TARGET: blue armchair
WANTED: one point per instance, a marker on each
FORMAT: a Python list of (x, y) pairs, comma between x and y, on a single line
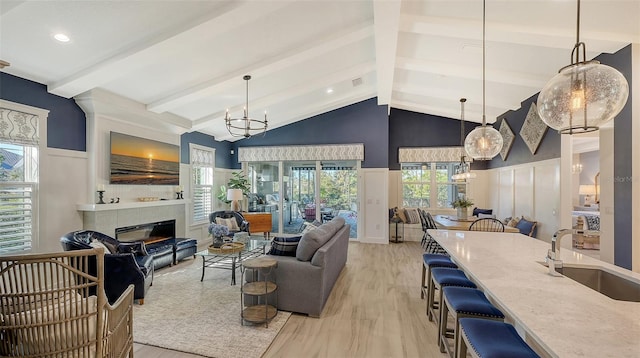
[(125, 263), (243, 225)]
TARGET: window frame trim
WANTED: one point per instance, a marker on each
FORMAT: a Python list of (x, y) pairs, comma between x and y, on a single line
[(192, 185)]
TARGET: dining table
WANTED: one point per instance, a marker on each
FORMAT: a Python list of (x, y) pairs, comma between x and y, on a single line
[(447, 222)]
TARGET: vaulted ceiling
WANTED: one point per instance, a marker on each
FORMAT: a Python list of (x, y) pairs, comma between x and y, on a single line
[(187, 58)]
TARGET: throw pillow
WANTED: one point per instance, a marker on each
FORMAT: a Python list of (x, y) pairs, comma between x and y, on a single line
[(284, 246), (482, 216), (477, 211), (413, 217), (98, 244), (313, 240), (308, 227), (527, 227), (593, 222), (514, 221), (401, 215), (231, 223)]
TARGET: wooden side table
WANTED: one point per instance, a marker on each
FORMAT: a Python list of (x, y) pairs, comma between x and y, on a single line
[(259, 310), (259, 222)]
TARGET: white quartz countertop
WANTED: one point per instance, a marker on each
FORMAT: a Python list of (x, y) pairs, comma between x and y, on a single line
[(563, 318)]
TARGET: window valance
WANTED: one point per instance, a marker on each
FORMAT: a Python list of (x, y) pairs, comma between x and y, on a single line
[(429, 154), (302, 152), (17, 126), (202, 156)]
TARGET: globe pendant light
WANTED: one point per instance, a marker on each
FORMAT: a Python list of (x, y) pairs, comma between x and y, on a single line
[(583, 95), (245, 126), (483, 143), (463, 169)]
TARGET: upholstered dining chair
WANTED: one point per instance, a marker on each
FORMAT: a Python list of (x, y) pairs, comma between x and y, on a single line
[(54, 305), (487, 224)]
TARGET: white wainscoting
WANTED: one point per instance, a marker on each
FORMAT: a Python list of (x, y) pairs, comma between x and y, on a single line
[(532, 190)]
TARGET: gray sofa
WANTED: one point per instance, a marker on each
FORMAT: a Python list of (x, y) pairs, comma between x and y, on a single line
[(306, 280)]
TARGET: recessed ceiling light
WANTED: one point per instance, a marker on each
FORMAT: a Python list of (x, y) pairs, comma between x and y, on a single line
[(329, 90), (61, 37)]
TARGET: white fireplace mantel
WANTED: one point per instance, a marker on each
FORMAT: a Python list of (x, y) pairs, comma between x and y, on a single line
[(129, 205)]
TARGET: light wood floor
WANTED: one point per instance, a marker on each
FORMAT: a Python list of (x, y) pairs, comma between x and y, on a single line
[(374, 310)]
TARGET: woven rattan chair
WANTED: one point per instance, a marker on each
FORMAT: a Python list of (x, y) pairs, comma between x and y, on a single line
[(48, 307), (487, 224)]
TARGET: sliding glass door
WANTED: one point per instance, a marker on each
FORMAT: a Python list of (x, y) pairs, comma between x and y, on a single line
[(296, 192)]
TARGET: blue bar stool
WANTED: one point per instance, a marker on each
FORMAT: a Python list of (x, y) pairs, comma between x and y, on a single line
[(462, 302), (491, 339), (429, 261), (443, 277)]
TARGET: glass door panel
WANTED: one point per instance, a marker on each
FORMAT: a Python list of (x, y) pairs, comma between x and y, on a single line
[(339, 192), (265, 189), (300, 179)]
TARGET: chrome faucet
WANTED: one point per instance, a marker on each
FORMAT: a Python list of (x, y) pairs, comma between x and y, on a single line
[(553, 255)]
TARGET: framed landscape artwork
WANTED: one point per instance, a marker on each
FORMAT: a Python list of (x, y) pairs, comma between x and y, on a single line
[(142, 161), (507, 138), (533, 129)]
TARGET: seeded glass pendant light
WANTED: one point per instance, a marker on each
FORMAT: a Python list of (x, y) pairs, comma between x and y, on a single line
[(463, 169), (483, 143), (583, 95)]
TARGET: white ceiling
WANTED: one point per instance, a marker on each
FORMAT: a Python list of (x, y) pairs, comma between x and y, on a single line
[(187, 58)]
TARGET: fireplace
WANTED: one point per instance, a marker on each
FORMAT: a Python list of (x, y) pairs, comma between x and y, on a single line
[(150, 232)]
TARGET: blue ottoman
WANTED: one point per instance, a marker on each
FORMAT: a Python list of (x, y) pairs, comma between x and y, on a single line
[(492, 339), (185, 248)]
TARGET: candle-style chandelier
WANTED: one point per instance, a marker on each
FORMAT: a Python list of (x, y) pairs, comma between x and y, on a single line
[(245, 126)]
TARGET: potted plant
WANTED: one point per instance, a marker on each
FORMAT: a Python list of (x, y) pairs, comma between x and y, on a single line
[(462, 205), (237, 181)]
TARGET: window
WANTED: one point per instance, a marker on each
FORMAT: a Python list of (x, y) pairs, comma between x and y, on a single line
[(420, 179), (202, 165), (19, 143)]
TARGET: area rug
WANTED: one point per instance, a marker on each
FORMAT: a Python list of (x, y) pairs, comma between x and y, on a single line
[(184, 314)]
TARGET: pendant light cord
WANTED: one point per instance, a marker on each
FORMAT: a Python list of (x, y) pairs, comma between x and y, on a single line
[(484, 31)]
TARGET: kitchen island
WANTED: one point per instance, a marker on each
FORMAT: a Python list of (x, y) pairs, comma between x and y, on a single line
[(557, 316)]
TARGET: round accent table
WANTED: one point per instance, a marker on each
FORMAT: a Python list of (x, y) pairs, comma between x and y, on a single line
[(259, 292)]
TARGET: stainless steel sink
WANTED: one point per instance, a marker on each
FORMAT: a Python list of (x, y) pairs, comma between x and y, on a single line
[(614, 286)]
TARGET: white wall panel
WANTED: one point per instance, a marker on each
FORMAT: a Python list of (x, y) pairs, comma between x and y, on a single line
[(505, 205), (547, 182), (523, 192), (376, 204)]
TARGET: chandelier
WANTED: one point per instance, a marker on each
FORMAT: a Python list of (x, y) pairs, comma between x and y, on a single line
[(463, 169), (483, 143), (583, 95), (245, 126)]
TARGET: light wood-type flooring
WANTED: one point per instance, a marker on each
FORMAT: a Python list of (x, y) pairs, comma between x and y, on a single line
[(374, 310)]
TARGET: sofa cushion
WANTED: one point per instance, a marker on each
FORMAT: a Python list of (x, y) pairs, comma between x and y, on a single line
[(477, 211), (527, 227), (313, 240), (401, 214), (413, 216), (231, 223), (284, 246)]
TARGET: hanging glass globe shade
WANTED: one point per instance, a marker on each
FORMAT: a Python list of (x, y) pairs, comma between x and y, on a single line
[(582, 97), (483, 143)]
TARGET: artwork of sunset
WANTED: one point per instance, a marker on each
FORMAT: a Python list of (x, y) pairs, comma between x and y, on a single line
[(136, 160)]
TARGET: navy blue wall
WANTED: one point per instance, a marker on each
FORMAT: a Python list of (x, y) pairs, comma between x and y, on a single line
[(549, 147), (364, 122), (411, 129), (623, 165), (66, 125), (223, 159)]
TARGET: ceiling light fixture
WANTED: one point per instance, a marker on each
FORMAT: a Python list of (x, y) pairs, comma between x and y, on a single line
[(61, 37), (583, 95), (463, 169), (329, 90), (483, 143), (4, 64), (245, 126)]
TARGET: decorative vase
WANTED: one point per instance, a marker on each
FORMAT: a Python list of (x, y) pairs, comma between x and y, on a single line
[(217, 241), (463, 213)]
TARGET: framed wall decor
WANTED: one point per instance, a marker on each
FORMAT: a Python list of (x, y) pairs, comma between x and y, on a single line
[(507, 138), (533, 129)]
